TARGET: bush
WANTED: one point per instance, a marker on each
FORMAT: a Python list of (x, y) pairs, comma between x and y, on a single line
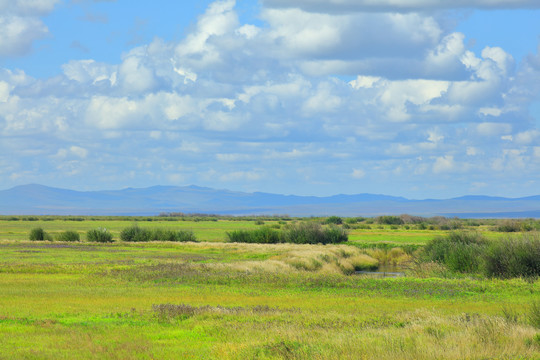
[(334, 220), (135, 234), (264, 235), (302, 233), (458, 251), (390, 220), (171, 235), (509, 226), (313, 233), (38, 234), (334, 235), (101, 235), (69, 236), (514, 257)]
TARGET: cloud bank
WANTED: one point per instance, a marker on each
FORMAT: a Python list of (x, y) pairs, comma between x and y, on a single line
[(314, 101)]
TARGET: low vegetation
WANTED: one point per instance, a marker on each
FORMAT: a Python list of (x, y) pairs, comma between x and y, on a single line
[(68, 236), (100, 235), (468, 252), (38, 234), (301, 233), (170, 300), (269, 288), (136, 234)]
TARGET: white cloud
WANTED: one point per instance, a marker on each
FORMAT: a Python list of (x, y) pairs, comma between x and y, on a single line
[(90, 71), (233, 94), (134, 75), (444, 164), (233, 157), (325, 37), (322, 100), (358, 174), (528, 137), (490, 111), (5, 89), (241, 175), (337, 6), (364, 82), (20, 24), (493, 129), (218, 20), (17, 34), (27, 7), (79, 151)]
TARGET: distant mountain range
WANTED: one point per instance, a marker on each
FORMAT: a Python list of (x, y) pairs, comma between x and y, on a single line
[(43, 200)]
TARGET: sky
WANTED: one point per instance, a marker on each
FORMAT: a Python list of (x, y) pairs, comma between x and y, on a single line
[(414, 98)]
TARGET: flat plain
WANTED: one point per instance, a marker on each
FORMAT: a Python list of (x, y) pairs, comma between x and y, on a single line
[(217, 300)]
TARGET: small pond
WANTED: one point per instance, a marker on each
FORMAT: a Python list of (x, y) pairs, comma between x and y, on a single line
[(383, 272)]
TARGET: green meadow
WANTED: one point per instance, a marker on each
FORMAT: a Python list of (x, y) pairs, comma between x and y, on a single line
[(213, 299)]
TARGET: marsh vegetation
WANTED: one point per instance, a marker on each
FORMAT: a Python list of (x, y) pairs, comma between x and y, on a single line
[(473, 293)]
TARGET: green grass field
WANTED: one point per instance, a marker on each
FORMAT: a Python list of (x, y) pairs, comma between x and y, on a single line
[(216, 300), (215, 231)]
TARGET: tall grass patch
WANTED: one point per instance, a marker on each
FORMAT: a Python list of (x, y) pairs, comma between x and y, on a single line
[(101, 235), (459, 251), (514, 256), (68, 236), (135, 233), (263, 235), (301, 233)]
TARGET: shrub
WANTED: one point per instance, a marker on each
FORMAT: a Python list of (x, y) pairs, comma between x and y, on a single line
[(171, 235), (264, 235), (69, 236), (38, 234), (302, 233), (99, 235), (389, 220), (334, 235), (514, 257), (313, 233), (135, 234), (334, 220), (458, 251), (509, 226)]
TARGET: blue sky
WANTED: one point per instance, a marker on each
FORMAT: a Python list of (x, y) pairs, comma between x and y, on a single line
[(428, 99)]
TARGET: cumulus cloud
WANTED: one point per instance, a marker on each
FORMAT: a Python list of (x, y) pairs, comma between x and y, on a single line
[(20, 24), (444, 164)]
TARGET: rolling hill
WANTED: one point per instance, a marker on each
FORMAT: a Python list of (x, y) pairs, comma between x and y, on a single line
[(43, 200)]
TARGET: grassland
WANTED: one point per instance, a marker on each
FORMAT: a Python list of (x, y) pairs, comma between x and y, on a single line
[(213, 230), (217, 300)]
